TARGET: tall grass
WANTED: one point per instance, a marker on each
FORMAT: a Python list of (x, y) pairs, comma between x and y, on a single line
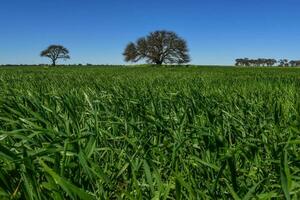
[(149, 133)]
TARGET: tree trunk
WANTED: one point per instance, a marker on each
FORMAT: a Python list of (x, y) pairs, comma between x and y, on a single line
[(53, 63), (159, 62)]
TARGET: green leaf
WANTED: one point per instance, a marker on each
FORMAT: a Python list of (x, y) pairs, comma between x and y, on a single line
[(285, 176), (148, 176), (251, 191), (68, 187), (232, 192)]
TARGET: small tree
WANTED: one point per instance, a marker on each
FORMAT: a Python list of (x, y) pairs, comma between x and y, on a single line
[(283, 63), (158, 47), (55, 52), (294, 63), (271, 62)]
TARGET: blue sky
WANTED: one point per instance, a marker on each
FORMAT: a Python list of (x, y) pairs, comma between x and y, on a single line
[(97, 31)]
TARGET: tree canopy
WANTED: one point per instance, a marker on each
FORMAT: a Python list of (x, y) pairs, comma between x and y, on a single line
[(55, 52), (159, 47), (263, 62)]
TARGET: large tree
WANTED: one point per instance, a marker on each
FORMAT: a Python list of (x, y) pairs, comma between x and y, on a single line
[(159, 47), (55, 52)]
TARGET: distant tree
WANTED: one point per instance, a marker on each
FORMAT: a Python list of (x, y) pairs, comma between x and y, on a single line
[(157, 48), (271, 62), (260, 62), (243, 62), (239, 62), (283, 63), (294, 63), (55, 52)]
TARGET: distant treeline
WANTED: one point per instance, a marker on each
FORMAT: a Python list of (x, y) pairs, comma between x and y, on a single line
[(265, 62)]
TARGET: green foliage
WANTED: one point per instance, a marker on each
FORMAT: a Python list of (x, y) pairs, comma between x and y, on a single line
[(149, 133)]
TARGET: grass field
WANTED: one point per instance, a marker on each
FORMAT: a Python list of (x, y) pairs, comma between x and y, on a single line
[(149, 133)]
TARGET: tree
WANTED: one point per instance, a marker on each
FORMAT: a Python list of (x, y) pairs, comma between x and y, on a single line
[(55, 52), (240, 62), (294, 63), (283, 63), (243, 62), (158, 47), (271, 62), (260, 62)]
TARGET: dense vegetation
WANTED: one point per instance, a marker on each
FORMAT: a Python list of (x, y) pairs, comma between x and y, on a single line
[(142, 133), (266, 62)]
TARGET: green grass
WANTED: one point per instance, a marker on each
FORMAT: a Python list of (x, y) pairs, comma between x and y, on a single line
[(149, 133)]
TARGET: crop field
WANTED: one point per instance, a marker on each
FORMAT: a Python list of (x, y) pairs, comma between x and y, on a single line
[(149, 133)]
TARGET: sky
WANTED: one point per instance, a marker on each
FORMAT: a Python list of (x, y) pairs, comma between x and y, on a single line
[(97, 31)]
